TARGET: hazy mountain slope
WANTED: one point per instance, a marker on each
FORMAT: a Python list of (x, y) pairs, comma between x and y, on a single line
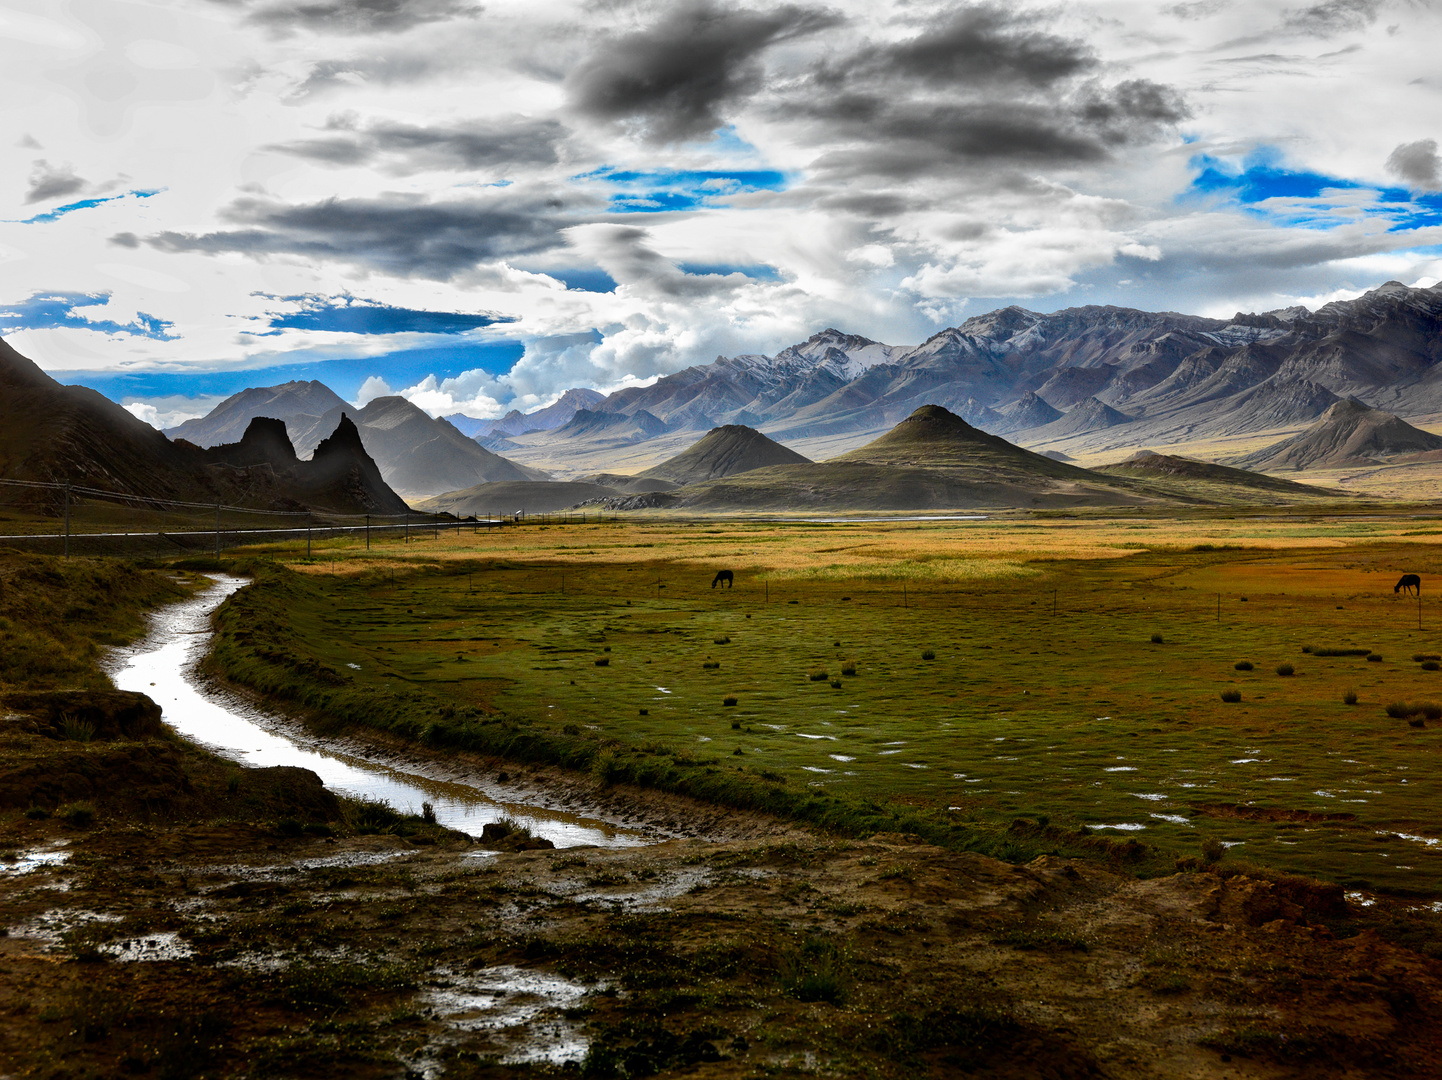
[(510, 497), (722, 452), (516, 422), (1349, 433), (1088, 416), (1028, 411), (1215, 483), (417, 454), (298, 404)]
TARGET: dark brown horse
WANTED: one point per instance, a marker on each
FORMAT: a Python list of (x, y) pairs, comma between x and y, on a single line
[(723, 577), (1408, 583)]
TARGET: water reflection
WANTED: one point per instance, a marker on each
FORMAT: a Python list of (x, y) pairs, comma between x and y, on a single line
[(163, 666)]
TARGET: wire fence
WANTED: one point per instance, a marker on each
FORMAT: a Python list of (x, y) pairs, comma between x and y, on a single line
[(71, 519)]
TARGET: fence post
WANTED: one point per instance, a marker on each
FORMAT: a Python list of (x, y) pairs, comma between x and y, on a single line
[(368, 532), (408, 528), (67, 519), (217, 532), (307, 534)]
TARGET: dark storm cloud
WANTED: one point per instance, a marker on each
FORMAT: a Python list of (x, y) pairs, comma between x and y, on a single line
[(1417, 163), (975, 46), (983, 86), (396, 235), (352, 16), (1334, 17), (50, 182), (672, 78), (406, 148)]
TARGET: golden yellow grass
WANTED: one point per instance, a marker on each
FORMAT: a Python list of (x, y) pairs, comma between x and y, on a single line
[(879, 548)]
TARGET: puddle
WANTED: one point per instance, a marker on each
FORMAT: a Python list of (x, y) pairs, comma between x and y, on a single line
[(163, 946), (163, 666), (840, 757), (1120, 768), (27, 862), (519, 1014), (1147, 795), (1126, 826), (1427, 840), (831, 737), (1175, 819)]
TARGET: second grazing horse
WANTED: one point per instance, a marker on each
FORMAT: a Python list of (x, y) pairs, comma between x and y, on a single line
[(723, 577), (1408, 583)]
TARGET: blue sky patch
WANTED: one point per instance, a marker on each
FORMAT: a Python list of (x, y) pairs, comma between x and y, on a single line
[(351, 315), (399, 369), (83, 204), (51, 311), (594, 280), (758, 272), (1309, 199), (682, 189)]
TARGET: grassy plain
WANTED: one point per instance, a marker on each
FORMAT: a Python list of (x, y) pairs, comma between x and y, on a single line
[(1045, 696)]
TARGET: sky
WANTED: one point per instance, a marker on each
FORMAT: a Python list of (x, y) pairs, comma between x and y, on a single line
[(481, 204)]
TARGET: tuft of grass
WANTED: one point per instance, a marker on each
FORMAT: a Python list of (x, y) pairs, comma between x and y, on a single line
[(710, 665), (728, 701), (1419, 657), (1401, 710), (74, 730), (603, 661), (836, 684), (1244, 665), (849, 669), (1339, 652), (928, 655), (428, 813), (1431, 665), (1285, 668), (1375, 658), (721, 640), (1157, 639), (1231, 696), (1213, 849), (1349, 698), (819, 675), (814, 971), (78, 815)]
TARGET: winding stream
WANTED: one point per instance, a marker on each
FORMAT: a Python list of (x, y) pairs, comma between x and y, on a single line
[(164, 666)]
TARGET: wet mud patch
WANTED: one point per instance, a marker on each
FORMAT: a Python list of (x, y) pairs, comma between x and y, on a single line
[(506, 1014)]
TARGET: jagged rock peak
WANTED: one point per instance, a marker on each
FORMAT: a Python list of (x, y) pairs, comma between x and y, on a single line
[(345, 438), (266, 432)]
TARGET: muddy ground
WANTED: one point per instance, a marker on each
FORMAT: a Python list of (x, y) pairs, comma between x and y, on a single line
[(173, 920)]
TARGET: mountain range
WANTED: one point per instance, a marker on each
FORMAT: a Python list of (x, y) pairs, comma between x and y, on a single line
[(1083, 381), (418, 455), (51, 433)]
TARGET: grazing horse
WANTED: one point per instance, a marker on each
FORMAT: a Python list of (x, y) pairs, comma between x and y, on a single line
[(723, 577), (1408, 583)]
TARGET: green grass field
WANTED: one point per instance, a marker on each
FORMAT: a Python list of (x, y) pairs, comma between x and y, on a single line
[(1045, 697)]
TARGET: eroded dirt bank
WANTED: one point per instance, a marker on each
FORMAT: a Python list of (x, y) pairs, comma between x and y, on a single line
[(226, 950)]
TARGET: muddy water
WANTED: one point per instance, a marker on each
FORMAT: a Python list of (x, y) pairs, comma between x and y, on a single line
[(164, 666)]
